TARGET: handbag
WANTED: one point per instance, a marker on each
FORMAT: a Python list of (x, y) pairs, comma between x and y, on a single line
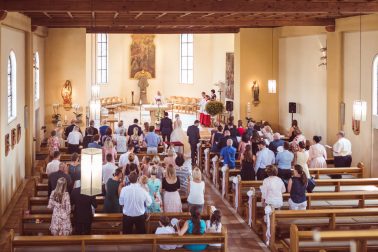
[(310, 185)]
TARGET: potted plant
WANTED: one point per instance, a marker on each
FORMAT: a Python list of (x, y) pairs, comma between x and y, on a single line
[(214, 108), (56, 118)]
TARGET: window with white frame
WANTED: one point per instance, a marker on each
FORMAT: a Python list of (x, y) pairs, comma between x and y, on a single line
[(102, 58), (186, 60), (36, 76), (12, 86)]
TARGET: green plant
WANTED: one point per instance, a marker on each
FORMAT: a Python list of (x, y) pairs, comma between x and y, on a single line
[(56, 117), (214, 108), (78, 114)]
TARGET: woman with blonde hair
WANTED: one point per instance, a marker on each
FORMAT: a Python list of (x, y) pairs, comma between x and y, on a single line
[(59, 202), (156, 162), (109, 148), (60, 133), (135, 140), (171, 186), (171, 156), (196, 190)]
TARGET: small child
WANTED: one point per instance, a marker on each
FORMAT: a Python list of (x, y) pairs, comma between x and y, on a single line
[(214, 225), (165, 228)]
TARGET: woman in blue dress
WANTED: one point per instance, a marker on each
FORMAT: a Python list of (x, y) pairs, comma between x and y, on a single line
[(193, 226), (154, 186)]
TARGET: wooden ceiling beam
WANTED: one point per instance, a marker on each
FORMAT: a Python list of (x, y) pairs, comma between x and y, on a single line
[(161, 30), (115, 15), (86, 22), (139, 14), (70, 14), (47, 14), (200, 6), (161, 15)]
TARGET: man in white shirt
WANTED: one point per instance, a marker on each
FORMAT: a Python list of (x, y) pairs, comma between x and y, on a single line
[(134, 200), (108, 169), (124, 158), (342, 152), (74, 139), (53, 166)]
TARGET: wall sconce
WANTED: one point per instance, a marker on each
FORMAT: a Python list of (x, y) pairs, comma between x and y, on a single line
[(91, 171), (272, 86), (359, 110), (67, 95), (7, 145)]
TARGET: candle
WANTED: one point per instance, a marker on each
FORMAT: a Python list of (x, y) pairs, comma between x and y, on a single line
[(65, 117)]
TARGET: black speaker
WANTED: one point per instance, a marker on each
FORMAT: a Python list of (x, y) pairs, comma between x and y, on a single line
[(229, 106), (292, 107)]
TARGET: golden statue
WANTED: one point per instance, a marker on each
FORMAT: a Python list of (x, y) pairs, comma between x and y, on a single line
[(67, 95), (143, 77)]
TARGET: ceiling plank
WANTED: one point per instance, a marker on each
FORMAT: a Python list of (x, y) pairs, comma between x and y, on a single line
[(161, 15), (261, 22), (201, 6), (47, 14), (116, 15), (160, 30), (70, 14), (139, 14)]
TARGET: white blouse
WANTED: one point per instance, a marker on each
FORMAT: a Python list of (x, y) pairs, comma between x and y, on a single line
[(272, 190), (197, 193)]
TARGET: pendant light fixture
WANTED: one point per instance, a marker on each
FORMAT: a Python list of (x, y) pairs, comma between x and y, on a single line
[(360, 106), (272, 83)]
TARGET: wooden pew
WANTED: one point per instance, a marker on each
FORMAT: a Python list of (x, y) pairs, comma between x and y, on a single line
[(241, 187), (331, 240), (103, 223), (360, 196), (151, 241), (325, 219)]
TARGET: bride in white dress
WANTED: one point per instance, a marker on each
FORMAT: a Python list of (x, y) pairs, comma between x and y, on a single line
[(179, 135)]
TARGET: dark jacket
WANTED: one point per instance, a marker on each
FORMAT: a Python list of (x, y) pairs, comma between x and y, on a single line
[(130, 130), (68, 130), (82, 206), (193, 134), (87, 140), (94, 130), (166, 126), (223, 142), (53, 179)]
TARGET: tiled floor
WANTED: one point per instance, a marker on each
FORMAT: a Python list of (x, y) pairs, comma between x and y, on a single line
[(240, 236)]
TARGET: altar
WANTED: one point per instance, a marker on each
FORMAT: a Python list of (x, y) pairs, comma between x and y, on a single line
[(156, 111)]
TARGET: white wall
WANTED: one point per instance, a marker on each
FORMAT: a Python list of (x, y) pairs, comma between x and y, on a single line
[(362, 144), (209, 65), (12, 167), (303, 82)]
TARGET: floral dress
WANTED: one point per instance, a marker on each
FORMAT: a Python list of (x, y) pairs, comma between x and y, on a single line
[(154, 186), (60, 221), (53, 144)]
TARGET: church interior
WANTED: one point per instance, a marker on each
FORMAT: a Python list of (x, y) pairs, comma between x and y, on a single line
[(307, 68)]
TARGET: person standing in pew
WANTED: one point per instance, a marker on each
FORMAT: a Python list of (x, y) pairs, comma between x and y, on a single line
[(194, 137), (95, 143), (152, 141), (166, 127), (88, 138), (53, 166), (113, 189), (74, 167), (284, 160), (317, 154), (342, 152), (130, 130), (59, 202), (73, 140), (70, 128), (223, 141), (92, 127), (272, 188), (264, 158), (247, 172), (55, 176), (108, 170), (277, 142), (82, 213), (297, 188), (228, 155), (134, 200)]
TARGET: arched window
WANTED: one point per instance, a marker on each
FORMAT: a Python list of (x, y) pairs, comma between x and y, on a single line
[(12, 86), (36, 76), (375, 86)]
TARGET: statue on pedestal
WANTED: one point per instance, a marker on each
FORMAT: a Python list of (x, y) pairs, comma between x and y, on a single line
[(143, 77)]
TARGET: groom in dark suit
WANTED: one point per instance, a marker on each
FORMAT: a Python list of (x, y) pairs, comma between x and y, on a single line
[(194, 137), (166, 127)]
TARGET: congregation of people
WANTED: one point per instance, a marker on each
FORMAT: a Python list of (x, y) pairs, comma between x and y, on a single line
[(137, 188), (133, 187)]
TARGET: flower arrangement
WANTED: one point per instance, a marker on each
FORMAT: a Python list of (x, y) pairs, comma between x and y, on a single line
[(214, 107)]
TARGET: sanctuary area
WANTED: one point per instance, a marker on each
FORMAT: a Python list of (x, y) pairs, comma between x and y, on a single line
[(188, 125)]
